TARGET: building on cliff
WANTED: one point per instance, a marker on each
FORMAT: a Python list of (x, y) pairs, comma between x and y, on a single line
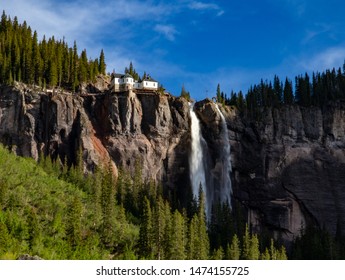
[(125, 82)]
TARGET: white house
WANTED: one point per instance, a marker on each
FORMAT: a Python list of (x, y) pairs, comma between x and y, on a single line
[(115, 82), (149, 83), (125, 82)]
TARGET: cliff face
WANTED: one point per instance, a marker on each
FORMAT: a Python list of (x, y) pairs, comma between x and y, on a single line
[(121, 128), (287, 168)]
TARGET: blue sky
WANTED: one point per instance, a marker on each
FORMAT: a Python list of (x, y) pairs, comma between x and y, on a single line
[(198, 43)]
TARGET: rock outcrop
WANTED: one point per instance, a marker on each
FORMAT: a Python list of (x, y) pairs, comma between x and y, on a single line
[(287, 168)]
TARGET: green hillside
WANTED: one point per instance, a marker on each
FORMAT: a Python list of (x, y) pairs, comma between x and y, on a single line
[(55, 213), (43, 215)]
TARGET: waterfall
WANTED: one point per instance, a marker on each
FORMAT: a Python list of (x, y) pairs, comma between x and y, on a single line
[(225, 181), (214, 181), (197, 161)]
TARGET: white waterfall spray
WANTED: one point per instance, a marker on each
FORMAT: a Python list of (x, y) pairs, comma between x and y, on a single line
[(225, 187), (196, 159)]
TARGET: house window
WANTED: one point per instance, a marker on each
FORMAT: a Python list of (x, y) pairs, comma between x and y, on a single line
[(146, 83)]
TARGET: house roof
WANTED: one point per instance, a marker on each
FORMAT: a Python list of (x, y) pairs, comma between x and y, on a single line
[(117, 75), (149, 79), (127, 76)]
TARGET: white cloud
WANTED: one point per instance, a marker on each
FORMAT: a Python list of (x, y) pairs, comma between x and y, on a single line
[(317, 30), (326, 59), (75, 17), (168, 31), (220, 13), (201, 6)]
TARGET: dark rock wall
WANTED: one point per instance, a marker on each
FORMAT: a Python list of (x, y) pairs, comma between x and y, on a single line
[(288, 167)]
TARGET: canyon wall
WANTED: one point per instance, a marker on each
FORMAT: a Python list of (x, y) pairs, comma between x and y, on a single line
[(288, 168)]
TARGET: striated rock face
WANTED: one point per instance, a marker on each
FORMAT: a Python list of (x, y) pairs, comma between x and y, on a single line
[(121, 128), (287, 168)]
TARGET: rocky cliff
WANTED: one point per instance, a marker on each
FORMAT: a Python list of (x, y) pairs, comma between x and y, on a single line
[(121, 128), (287, 168)]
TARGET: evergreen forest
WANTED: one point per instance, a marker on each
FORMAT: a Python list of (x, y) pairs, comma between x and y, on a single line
[(46, 63), (315, 90)]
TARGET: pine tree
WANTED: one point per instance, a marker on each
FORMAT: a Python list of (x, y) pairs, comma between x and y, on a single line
[(131, 69), (3, 194), (278, 91), (74, 64), (159, 229), (234, 250), (33, 228), (83, 66), (120, 186), (178, 237), (37, 61), (52, 73), (168, 230), (102, 66), (250, 250), (96, 194), (108, 207), (240, 102), (121, 223), (254, 252), (288, 94), (282, 253), (146, 232), (5, 239), (273, 251), (246, 244), (203, 235), (185, 94), (193, 239), (198, 242), (74, 227), (266, 255), (303, 93), (3, 21), (218, 254), (218, 94), (60, 62)]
